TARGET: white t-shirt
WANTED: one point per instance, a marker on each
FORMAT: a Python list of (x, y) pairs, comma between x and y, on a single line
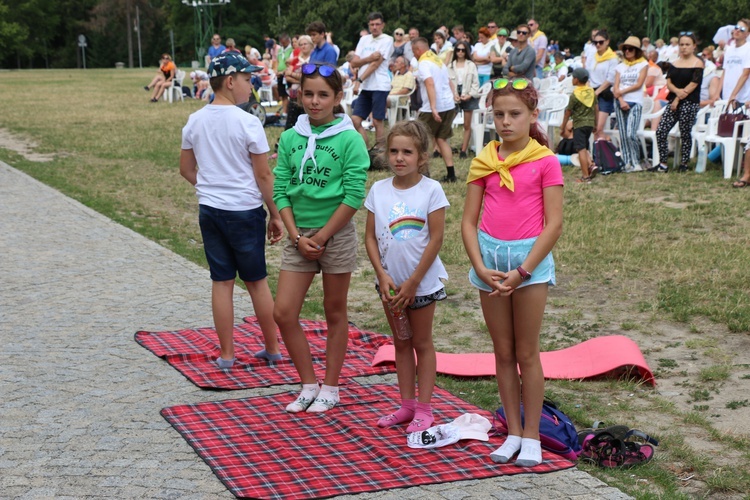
[(602, 72), (736, 59), (483, 50), (589, 50), (402, 229), (540, 42), (222, 138), (441, 80), (379, 79), (629, 77)]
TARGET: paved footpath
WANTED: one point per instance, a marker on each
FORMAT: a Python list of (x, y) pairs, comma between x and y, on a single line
[(80, 400)]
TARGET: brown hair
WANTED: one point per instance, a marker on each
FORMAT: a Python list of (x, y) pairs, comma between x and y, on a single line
[(335, 82), (484, 31), (530, 97), (420, 136)]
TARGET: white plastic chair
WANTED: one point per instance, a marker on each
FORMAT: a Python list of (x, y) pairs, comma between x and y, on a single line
[(398, 107), (728, 144), (551, 111), (348, 99), (175, 91), (700, 129), (649, 134), (478, 118), (266, 96)]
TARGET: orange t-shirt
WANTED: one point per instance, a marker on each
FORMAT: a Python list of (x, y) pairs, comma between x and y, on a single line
[(167, 68)]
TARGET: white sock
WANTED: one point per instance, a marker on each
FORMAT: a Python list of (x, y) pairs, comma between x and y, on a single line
[(328, 397), (531, 453), (509, 448), (304, 400)]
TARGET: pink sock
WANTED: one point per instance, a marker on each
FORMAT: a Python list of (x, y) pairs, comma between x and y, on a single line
[(403, 414), (422, 418)]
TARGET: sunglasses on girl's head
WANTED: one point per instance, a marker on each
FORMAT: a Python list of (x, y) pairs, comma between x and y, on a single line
[(311, 68), (516, 83), (741, 28), (686, 33)]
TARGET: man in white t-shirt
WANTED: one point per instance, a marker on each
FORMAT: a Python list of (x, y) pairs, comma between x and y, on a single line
[(438, 107), (589, 52), (373, 81), (735, 80), (538, 40)]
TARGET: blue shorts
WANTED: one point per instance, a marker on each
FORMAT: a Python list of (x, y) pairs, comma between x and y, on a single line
[(371, 101), (234, 243), (605, 105), (505, 256)]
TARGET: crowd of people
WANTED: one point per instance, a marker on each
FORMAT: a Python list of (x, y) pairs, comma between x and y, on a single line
[(512, 214)]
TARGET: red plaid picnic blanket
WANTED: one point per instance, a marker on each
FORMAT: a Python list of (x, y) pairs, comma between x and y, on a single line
[(258, 450), (193, 351)]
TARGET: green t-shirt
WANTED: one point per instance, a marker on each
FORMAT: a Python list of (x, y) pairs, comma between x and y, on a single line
[(581, 115), (283, 55), (340, 175)]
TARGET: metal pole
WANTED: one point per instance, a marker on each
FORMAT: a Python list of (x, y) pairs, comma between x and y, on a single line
[(171, 39), (83, 49), (138, 28)]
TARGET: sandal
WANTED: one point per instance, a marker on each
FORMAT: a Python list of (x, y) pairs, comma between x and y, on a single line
[(584, 180), (608, 451), (740, 184)]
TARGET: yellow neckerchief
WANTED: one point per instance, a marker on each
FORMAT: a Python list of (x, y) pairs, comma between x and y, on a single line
[(608, 54), (432, 57), (633, 63), (558, 66), (585, 94), (537, 35), (488, 163)]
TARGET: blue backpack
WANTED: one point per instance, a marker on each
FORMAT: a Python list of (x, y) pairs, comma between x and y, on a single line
[(556, 431)]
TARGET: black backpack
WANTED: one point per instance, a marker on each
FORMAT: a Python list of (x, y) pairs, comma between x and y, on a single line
[(607, 157)]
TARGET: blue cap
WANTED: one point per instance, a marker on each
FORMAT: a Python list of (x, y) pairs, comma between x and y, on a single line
[(229, 63)]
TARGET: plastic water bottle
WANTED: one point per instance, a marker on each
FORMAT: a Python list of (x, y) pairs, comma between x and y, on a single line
[(400, 322), (700, 165)]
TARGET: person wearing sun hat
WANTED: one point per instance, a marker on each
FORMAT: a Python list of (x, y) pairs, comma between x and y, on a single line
[(500, 51), (630, 76)]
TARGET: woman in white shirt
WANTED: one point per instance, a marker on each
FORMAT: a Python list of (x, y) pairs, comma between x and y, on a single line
[(463, 74), (442, 46), (481, 55), (630, 75)]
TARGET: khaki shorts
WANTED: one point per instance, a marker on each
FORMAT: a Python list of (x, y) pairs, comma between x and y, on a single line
[(340, 255), (442, 130)]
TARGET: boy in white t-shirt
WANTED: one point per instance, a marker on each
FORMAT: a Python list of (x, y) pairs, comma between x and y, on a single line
[(373, 82), (232, 183)]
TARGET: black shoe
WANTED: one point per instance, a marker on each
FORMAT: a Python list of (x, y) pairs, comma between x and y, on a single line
[(462, 154), (682, 169), (454, 150), (145, 87), (436, 154), (449, 178)]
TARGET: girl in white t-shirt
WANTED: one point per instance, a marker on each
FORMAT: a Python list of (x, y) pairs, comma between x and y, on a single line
[(630, 76), (404, 233)]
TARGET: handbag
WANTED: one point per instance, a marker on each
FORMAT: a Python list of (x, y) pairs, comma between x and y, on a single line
[(729, 118)]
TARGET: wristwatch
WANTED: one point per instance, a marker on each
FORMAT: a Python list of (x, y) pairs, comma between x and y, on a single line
[(359, 80), (525, 276)]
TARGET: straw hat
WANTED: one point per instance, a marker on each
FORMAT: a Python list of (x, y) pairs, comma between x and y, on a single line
[(513, 35), (632, 41)]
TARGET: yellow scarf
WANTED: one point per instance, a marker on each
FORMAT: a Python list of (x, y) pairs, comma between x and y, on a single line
[(432, 57), (585, 94), (537, 35), (608, 54), (488, 163), (633, 63)]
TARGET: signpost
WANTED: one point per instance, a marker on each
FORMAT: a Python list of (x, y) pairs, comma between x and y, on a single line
[(82, 44)]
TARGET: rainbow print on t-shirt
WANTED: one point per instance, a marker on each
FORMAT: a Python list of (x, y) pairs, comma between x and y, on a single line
[(405, 223)]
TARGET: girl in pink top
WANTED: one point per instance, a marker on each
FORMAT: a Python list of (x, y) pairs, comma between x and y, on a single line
[(519, 184)]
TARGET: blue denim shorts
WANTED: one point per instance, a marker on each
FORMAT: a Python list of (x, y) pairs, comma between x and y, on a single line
[(505, 256), (371, 101), (607, 106), (235, 242)]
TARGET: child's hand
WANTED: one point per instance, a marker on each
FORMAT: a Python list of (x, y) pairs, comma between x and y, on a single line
[(506, 287), (404, 295), (491, 277), (386, 284), (309, 248), (275, 230)]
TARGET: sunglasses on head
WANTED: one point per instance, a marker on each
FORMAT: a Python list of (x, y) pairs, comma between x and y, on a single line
[(599, 42), (516, 83), (311, 68), (741, 28), (686, 33), (522, 32)]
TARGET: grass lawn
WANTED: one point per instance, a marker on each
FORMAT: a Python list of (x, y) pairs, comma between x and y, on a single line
[(662, 259)]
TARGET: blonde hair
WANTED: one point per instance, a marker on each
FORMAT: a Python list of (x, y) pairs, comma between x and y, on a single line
[(420, 136)]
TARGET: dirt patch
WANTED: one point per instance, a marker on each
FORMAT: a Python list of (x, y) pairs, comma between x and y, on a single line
[(22, 146)]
